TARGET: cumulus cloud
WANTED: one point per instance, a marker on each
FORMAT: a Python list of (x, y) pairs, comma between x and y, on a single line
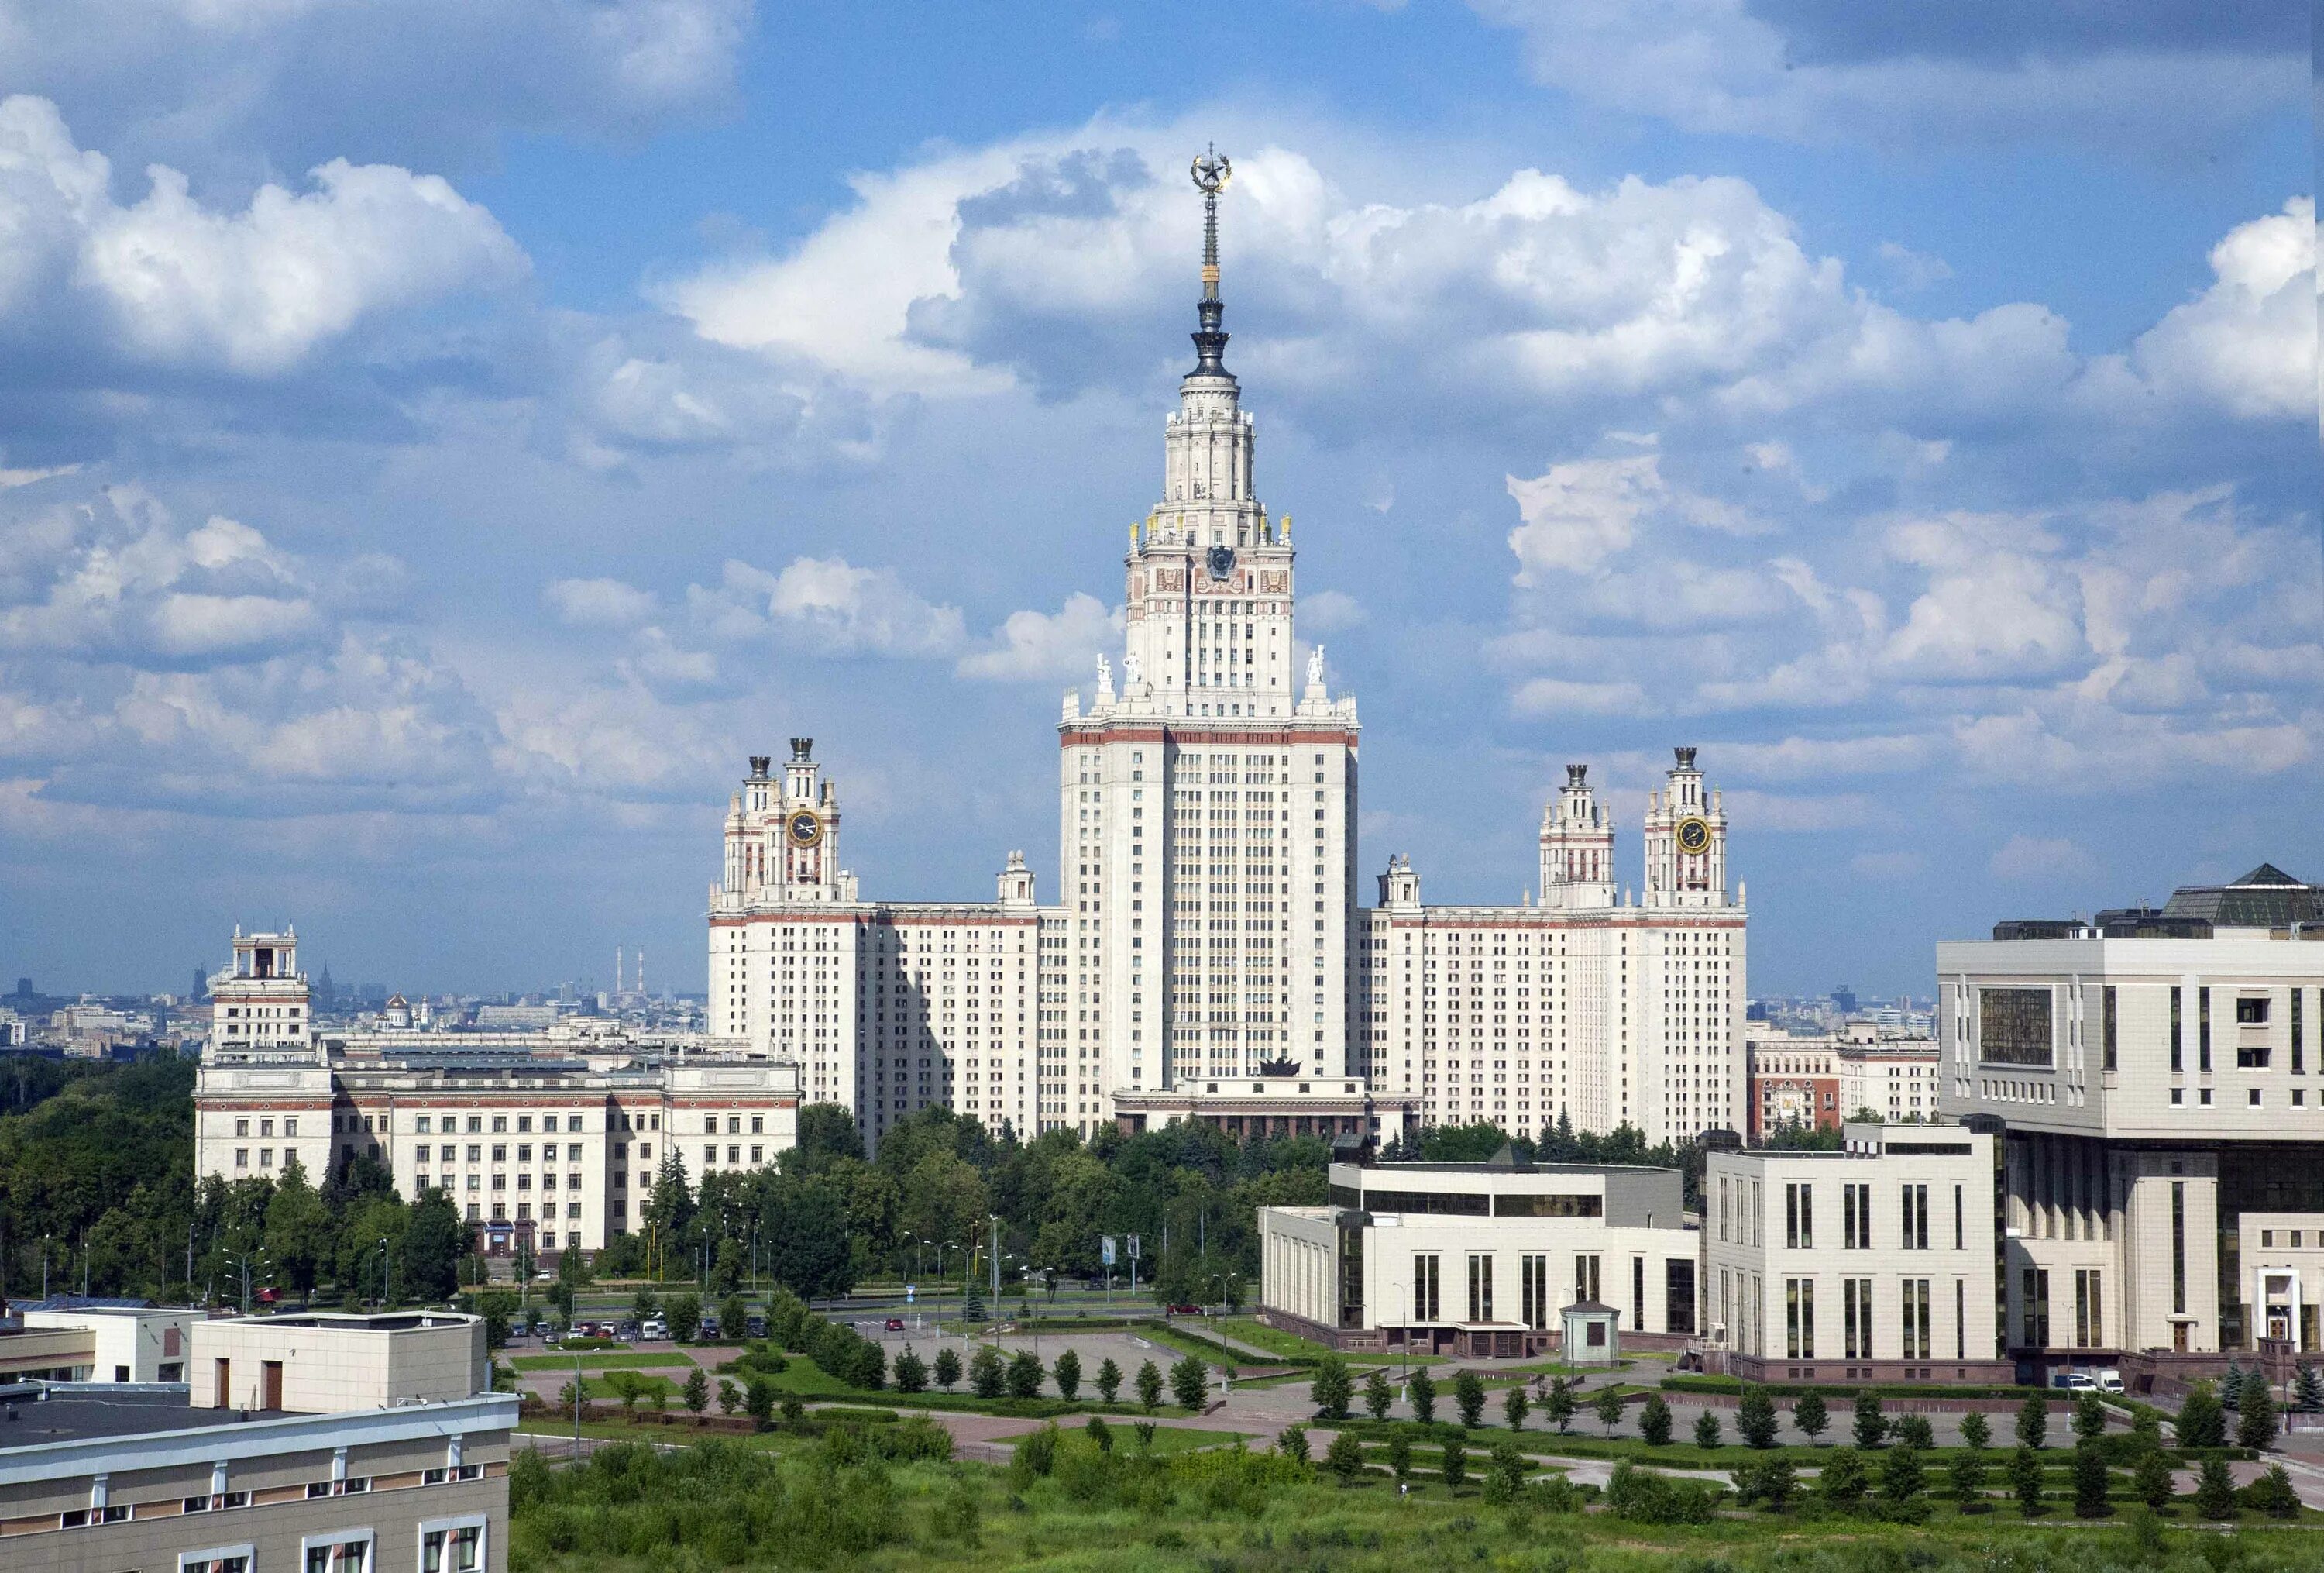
[(2248, 342), (606, 603), (169, 280), (1062, 645), (1329, 611), (2160, 77)]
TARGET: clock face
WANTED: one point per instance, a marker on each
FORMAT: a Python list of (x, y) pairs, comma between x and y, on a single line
[(1221, 561), (805, 828), (1693, 836)]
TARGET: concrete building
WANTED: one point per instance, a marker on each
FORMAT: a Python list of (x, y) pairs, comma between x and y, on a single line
[(350, 1448), (1481, 1258), (259, 1004), (123, 1343), (2157, 1074), (1790, 1081), (1209, 928), (1816, 1080), (559, 1141), (1873, 1263)]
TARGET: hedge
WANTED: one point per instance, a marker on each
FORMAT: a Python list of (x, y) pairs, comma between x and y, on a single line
[(1882, 1390)]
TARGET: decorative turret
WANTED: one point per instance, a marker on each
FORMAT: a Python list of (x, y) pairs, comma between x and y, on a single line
[(1686, 836), (1577, 847)]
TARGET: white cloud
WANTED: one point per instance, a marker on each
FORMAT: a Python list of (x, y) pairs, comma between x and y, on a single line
[(2248, 342), (1062, 645), (1989, 611), (826, 606), (608, 602), (2041, 857), (252, 292), (1329, 611)]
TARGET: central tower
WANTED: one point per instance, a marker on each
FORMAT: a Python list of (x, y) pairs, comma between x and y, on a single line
[(1206, 843)]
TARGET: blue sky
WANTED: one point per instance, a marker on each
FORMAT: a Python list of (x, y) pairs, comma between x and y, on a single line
[(441, 442)]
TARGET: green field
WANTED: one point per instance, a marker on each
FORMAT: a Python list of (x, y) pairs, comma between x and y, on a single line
[(596, 1360)]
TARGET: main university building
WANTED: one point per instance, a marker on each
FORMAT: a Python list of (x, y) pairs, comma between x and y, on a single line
[(1209, 956)]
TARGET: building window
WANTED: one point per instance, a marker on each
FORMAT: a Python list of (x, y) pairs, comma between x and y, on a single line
[(1533, 1285), (1915, 1199), (1799, 1317), (1961, 1233), (217, 1559), (2178, 1247), (2251, 1011), (350, 1553), (452, 1546), (1856, 1308), (1799, 1217), (1961, 1320), (2178, 1054), (1425, 1302), (1856, 1217), (1916, 1319), (2089, 1310), (1480, 1289), (2203, 1031), (2106, 1026), (1585, 1278), (2034, 1310)]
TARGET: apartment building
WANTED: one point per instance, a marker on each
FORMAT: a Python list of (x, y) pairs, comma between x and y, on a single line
[(1872, 1264), (1481, 1258)]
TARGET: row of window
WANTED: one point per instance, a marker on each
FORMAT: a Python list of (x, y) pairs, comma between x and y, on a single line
[(1739, 1215)]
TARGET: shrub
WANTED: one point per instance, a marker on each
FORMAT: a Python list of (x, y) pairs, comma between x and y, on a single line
[(1810, 1418), (988, 1374), (1024, 1374), (1100, 1434), (697, 1390), (759, 1399), (2215, 1489), (1469, 1398), (1771, 1483), (1755, 1417), (1654, 1421), (1067, 1373), (1149, 1386), (730, 1397), (2090, 1417), (1378, 1396), (2025, 1480), (1399, 1455), (1706, 1430), (1515, 1406), (1345, 1458), (1643, 1496), (1871, 1423), (1903, 1478), (911, 1373), (1455, 1467), (2150, 1478), (1559, 1405), (1915, 1431), (2033, 1421), (1037, 1455), (1109, 1379), (959, 1517), (1332, 1388), (2090, 1480), (1977, 1431), (1144, 1429), (2271, 1493), (1844, 1480), (1190, 1384), (2202, 1422), (948, 1369), (1421, 1390), (2255, 1420), (1505, 1472), (1291, 1443), (1607, 1409)]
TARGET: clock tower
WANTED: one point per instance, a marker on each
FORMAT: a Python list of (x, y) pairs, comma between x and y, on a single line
[(1685, 835)]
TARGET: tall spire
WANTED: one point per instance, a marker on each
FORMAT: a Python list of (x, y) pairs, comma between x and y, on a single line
[(1210, 172)]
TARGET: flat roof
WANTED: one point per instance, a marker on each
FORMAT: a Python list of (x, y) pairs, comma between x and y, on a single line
[(29, 1421)]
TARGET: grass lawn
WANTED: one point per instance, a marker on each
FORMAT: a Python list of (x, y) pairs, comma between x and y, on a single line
[(596, 1360), (1257, 1335), (803, 1376)]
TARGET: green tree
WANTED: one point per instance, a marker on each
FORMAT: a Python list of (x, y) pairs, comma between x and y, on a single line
[(2202, 1422), (2025, 1479), (1380, 1397), (1190, 1384), (1654, 1421), (2308, 1391), (1558, 1406), (697, 1390), (2255, 1421), (1844, 1479), (1455, 1465), (1871, 1423), (1332, 1389), (643, 1306), (2090, 1417), (730, 1397), (1706, 1430), (733, 1316), (1975, 1431), (2231, 1386), (948, 1369), (2150, 1478), (297, 1227), (1099, 1433), (1505, 1472), (1068, 1373), (1902, 1477), (1422, 1393), (2272, 1493), (1915, 1431), (988, 1374), (1291, 1443), (1608, 1408), (1149, 1386), (1345, 1458), (685, 1311), (2089, 1479), (1515, 1406), (1399, 1455), (1810, 1418), (628, 1386), (1024, 1374), (1109, 1379), (1755, 1417), (1772, 1484), (2033, 1421), (1966, 1476), (2215, 1489), (1469, 1398), (911, 1373), (759, 1400)]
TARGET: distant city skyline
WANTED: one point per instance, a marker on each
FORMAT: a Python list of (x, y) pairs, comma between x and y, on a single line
[(1918, 420)]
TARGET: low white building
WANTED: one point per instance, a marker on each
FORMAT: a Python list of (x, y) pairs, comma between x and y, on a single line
[(125, 1343), (1481, 1258), (1873, 1263)]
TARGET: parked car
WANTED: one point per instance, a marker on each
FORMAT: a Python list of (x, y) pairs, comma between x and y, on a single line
[(626, 1330), (654, 1329), (1186, 1310), (754, 1327), (895, 1324), (540, 1328), (709, 1328), (267, 1296), (2111, 1381)]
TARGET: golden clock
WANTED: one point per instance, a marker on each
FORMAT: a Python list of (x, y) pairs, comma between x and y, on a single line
[(1693, 834), (804, 828)]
